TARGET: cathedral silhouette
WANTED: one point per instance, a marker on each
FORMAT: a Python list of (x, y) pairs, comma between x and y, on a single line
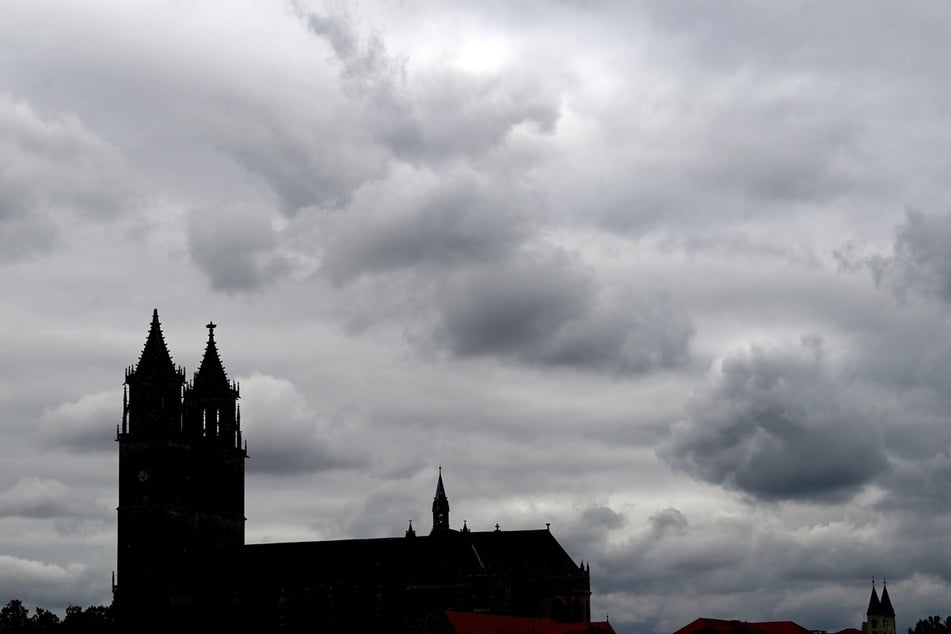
[(182, 560)]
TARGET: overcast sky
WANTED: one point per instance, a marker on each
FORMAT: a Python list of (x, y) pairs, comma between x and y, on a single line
[(673, 276)]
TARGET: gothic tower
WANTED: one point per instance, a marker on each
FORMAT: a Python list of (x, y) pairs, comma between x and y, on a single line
[(181, 483), (880, 613), (440, 507), (212, 427)]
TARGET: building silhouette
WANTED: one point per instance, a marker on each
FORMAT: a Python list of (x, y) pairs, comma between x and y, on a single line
[(182, 558), (880, 615)]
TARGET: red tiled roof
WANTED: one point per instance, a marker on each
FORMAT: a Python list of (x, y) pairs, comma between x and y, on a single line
[(721, 626), (473, 623)]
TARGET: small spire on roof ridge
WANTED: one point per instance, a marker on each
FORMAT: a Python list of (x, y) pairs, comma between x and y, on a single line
[(440, 505)]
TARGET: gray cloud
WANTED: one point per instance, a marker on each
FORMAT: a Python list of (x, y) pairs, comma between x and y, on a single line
[(919, 262), (235, 246), (747, 152), (50, 165), (481, 236), (778, 424), (545, 308), (41, 498), (381, 112), (436, 114), (725, 565), (307, 159), (287, 438), (417, 220), (83, 425), (669, 519), (49, 585), (602, 517)]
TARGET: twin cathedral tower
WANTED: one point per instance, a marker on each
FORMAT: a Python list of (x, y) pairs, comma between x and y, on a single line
[(182, 557), (181, 473)]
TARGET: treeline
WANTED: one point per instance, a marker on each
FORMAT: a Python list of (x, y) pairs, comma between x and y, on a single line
[(932, 625), (16, 618)]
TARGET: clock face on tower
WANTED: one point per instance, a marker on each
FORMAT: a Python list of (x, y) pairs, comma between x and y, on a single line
[(143, 475)]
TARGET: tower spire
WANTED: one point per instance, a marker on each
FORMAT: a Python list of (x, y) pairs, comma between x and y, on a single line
[(152, 404), (211, 410), (885, 607), (880, 614), (874, 605), (440, 506), (155, 362), (211, 376)]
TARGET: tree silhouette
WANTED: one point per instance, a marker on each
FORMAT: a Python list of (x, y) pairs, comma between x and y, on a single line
[(44, 622), (14, 617), (932, 625)]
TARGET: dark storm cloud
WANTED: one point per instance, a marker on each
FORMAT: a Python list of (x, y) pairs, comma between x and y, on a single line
[(546, 308), (235, 246), (778, 424)]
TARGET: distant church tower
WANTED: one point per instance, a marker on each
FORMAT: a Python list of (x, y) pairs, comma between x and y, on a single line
[(181, 482), (880, 613), (440, 507)]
